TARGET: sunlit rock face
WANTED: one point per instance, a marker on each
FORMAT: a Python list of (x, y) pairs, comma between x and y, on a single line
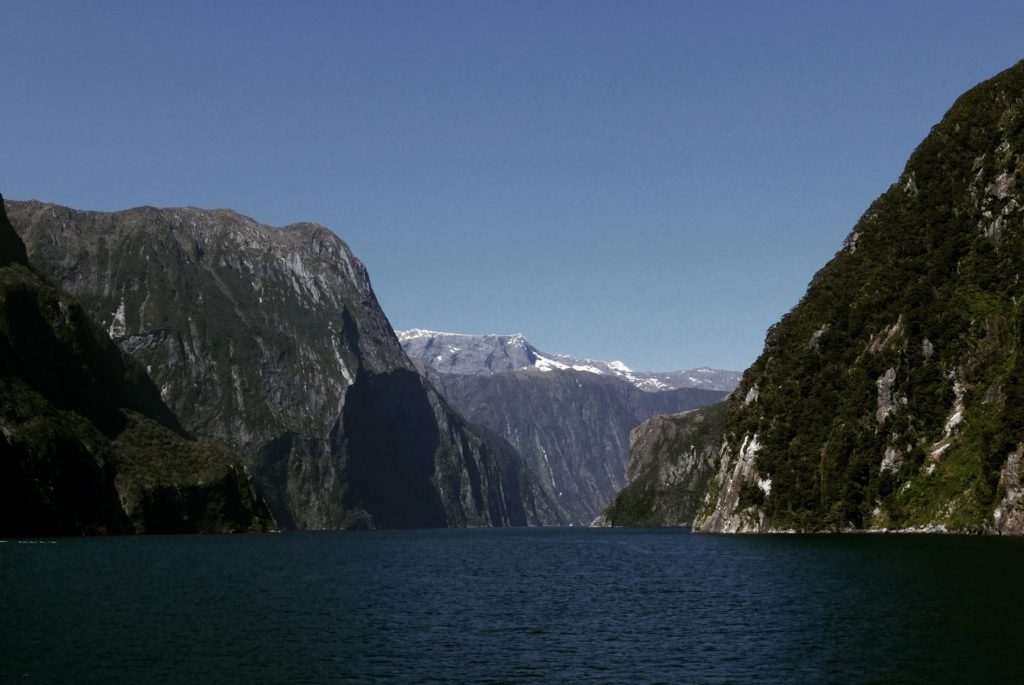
[(271, 340), (671, 461)]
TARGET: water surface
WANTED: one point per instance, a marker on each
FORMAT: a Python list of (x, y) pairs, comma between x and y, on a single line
[(512, 606)]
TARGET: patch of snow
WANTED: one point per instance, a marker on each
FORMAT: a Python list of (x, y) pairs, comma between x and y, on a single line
[(545, 364), (649, 384), (619, 367), (589, 369), (414, 333), (702, 377)]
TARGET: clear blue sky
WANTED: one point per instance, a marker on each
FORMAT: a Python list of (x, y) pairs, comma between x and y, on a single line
[(648, 181)]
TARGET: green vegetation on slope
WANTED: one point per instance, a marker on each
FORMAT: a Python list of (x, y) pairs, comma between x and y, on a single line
[(86, 444), (672, 459), (271, 341), (892, 394)]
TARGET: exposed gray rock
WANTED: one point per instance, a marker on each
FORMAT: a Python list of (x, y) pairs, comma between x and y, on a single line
[(671, 461), (272, 341), (571, 427), (730, 512), (1009, 512)]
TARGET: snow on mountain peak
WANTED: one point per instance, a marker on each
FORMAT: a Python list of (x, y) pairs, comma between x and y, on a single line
[(459, 353), (414, 333)]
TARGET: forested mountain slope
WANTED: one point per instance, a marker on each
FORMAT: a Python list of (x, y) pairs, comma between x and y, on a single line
[(892, 395)]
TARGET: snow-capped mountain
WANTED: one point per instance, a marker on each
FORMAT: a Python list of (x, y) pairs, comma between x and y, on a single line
[(457, 353), (569, 418)]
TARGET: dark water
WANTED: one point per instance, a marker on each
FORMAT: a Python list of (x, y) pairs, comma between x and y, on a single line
[(513, 606)]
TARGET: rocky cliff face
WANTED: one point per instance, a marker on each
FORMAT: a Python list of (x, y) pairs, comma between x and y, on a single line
[(892, 395), (671, 462), (86, 444), (271, 340), (571, 427)]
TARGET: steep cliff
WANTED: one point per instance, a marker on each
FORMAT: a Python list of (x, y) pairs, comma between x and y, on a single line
[(86, 444), (571, 427), (892, 395), (271, 341), (671, 462)]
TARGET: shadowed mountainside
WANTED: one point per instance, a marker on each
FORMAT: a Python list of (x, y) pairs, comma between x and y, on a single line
[(271, 340), (86, 444)]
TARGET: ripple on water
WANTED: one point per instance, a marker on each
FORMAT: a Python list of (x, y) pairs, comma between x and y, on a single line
[(518, 606)]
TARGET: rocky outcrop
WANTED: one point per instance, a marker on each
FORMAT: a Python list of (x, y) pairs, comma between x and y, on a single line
[(571, 427), (272, 341), (892, 395), (569, 418), (671, 461), (86, 444)]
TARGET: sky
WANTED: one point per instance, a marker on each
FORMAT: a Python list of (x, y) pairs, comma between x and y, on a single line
[(652, 182)]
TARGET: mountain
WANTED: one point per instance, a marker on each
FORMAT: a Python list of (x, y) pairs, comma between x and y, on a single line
[(892, 395), (455, 353), (569, 418), (271, 340), (671, 462), (571, 427), (86, 444)]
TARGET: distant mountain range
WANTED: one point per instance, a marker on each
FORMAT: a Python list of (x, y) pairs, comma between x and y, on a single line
[(457, 353), (569, 418)]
